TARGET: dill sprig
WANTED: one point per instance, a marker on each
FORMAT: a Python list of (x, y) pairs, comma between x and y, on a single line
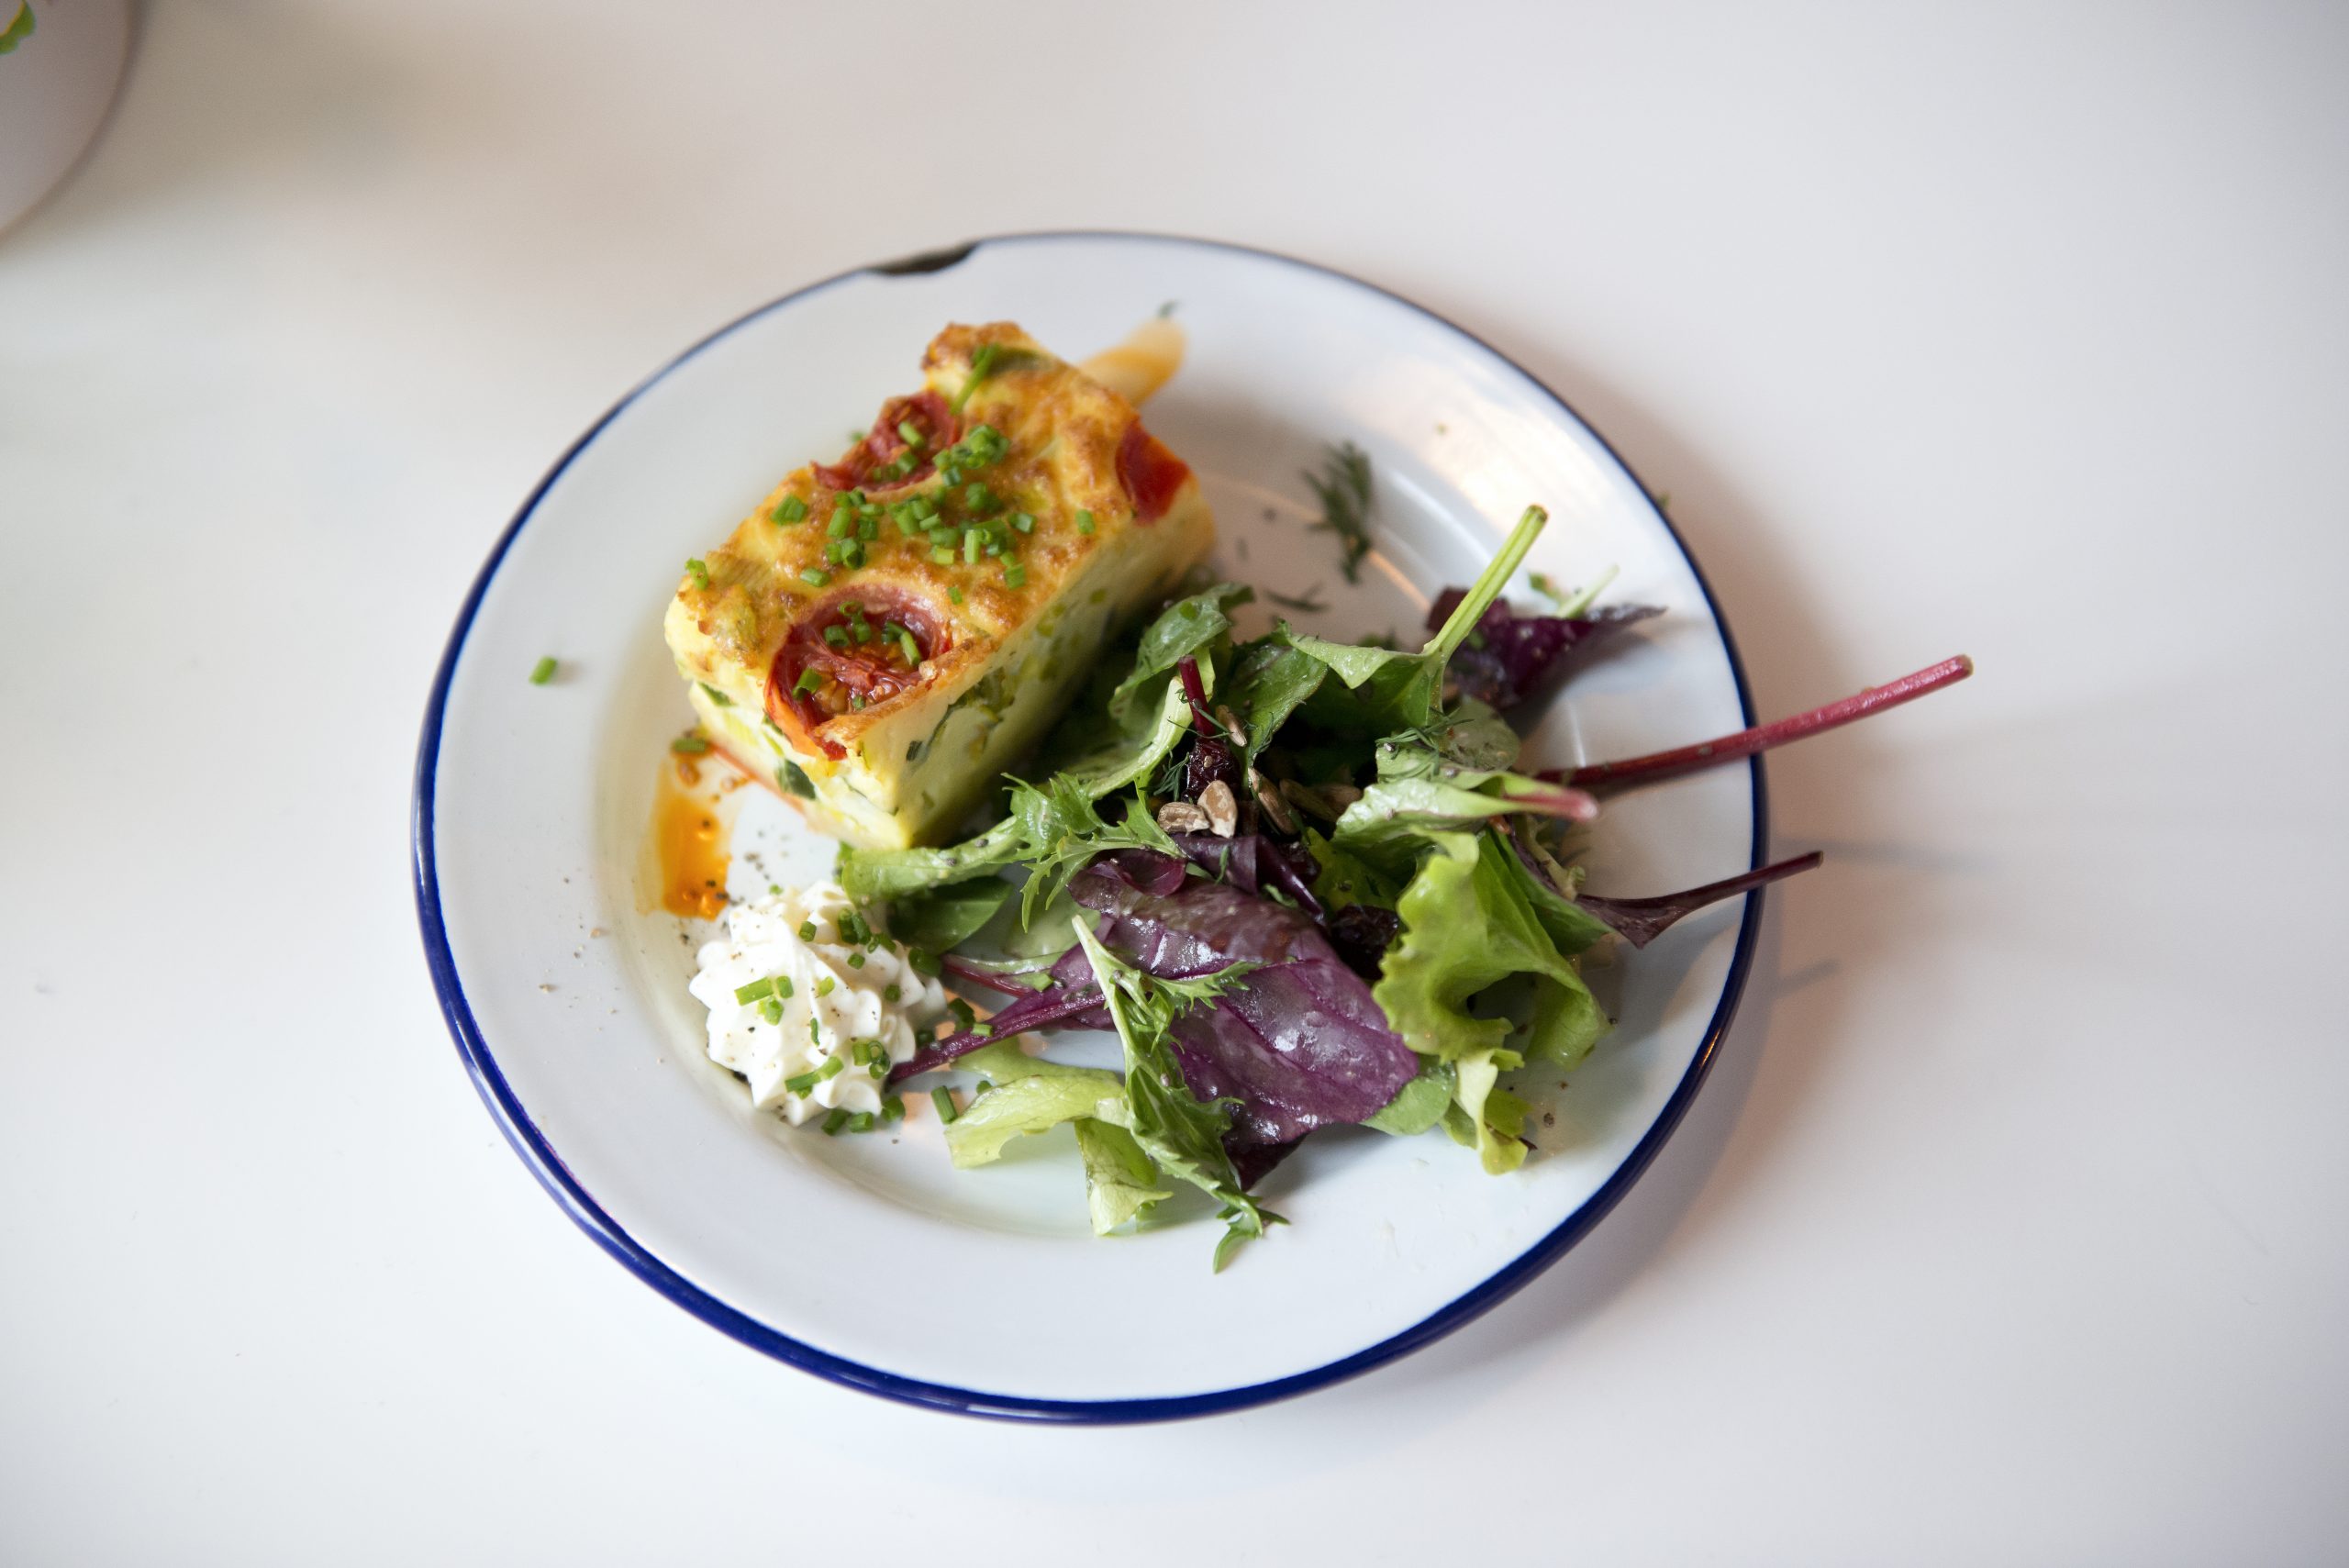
[(1344, 489)]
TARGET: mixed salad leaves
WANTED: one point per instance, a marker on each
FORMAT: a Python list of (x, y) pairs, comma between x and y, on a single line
[(1306, 884)]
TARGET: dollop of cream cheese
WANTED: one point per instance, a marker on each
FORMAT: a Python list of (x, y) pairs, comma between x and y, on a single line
[(835, 1005)]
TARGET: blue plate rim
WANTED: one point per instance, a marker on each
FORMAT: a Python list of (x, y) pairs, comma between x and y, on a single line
[(573, 1198)]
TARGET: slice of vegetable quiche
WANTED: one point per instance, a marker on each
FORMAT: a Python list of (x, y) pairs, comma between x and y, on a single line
[(885, 634)]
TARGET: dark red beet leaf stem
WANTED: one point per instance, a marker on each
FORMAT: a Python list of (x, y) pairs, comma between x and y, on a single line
[(1747, 742), (1638, 921)]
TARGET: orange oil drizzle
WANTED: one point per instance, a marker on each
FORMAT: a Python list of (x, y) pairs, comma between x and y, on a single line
[(690, 840)]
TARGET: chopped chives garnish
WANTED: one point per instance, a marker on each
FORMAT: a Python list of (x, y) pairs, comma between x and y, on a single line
[(943, 1099), (778, 987), (1023, 522), (801, 1084), (843, 523), (806, 930), (714, 694), (815, 577), (823, 985), (689, 745), (975, 496), (890, 993), (834, 1122), (905, 641), (955, 594), (815, 1030), (856, 702), (1014, 574), (856, 961), (861, 1122), (808, 681), (941, 556), (971, 541), (771, 1010), (909, 432), (698, 570), (790, 509), (543, 671), (1083, 522), (963, 1016), (837, 636), (830, 1069), (893, 1108)]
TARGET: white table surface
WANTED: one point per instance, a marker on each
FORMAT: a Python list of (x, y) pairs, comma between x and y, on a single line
[(2014, 1226)]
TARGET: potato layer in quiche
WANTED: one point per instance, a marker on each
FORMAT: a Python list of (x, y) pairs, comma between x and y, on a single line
[(885, 634)]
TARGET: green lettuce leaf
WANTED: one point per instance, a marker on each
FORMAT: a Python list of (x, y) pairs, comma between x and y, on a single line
[(869, 874), (1572, 928), (1185, 628), (1467, 925), (1386, 692), (943, 917), (1424, 797), (1346, 878), (1485, 1116), (1120, 1181), (1025, 1094), (1270, 680), (1420, 1104)]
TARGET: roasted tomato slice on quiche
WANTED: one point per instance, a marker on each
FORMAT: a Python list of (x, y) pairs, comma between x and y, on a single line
[(888, 632)]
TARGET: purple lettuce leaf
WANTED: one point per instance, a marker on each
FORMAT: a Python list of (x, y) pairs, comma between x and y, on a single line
[(1298, 1043), (1360, 933), (1512, 656), (1250, 860)]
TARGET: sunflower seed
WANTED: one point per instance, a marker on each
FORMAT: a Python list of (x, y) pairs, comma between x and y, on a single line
[(1182, 816), (1222, 810)]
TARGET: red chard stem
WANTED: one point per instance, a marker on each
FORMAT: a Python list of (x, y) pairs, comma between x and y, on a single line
[(1748, 743), (1638, 921)]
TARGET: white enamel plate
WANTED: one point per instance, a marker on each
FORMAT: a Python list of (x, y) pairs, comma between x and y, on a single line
[(869, 1260)]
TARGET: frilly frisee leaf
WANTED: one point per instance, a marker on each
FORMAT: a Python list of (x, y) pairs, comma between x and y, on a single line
[(1127, 755), (1061, 832), (1182, 1135)]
